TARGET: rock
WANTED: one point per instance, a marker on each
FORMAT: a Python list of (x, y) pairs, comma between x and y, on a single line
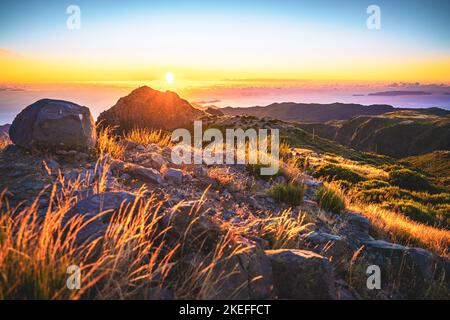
[(125, 176), (174, 175), (279, 179), (167, 152), (243, 275), (313, 183), (81, 157), (412, 269), (117, 165), (257, 269), (149, 108), (54, 124), (140, 147), (128, 144), (200, 171), (331, 246), (187, 176), (301, 274), (51, 166), (91, 207), (143, 174), (152, 147), (359, 222), (155, 160)]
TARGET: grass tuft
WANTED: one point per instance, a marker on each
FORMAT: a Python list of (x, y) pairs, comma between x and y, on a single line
[(330, 198), (289, 193)]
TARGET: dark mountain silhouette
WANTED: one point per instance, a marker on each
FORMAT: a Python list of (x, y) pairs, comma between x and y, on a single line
[(310, 112), (149, 108)]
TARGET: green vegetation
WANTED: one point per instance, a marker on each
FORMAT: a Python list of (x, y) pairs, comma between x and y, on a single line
[(410, 180), (289, 193), (330, 172), (412, 210), (255, 170), (436, 163), (330, 199), (371, 184)]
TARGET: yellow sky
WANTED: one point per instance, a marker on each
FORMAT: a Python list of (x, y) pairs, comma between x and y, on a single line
[(20, 69)]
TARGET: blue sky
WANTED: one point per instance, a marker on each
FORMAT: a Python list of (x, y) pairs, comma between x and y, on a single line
[(245, 35), (428, 19)]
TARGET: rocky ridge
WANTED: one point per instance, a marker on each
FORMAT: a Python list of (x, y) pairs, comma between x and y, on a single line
[(326, 259)]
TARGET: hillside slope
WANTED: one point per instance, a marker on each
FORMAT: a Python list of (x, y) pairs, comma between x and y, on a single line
[(397, 134)]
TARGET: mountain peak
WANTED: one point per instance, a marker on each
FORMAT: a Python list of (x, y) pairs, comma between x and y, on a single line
[(146, 107)]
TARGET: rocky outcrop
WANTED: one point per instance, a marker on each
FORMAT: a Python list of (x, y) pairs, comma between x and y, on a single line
[(301, 274), (149, 108), (144, 174), (54, 124), (100, 206)]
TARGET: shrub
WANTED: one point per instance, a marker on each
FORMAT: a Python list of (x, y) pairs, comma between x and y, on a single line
[(410, 180), (148, 136), (283, 231), (412, 210), (255, 170), (380, 195), (289, 193), (330, 199), (333, 172), (284, 151), (434, 199), (108, 143), (371, 184)]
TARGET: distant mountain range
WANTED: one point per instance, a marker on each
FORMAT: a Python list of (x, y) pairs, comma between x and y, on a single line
[(316, 112), (310, 112), (399, 93), (376, 128), (4, 130), (397, 134)]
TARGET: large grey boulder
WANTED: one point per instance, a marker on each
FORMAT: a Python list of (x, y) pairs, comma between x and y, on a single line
[(412, 269), (301, 274), (105, 204), (54, 124)]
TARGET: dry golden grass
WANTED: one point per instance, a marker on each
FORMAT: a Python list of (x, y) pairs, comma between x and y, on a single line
[(107, 143), (139, 255), (226, 178), (284, 231), (367, 171), (398, 227), (285, 150), (4, 142), (401, 229), (147, 136)]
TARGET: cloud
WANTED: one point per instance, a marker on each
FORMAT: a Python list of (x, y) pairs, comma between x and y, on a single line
[(207, 102), (5, 53)]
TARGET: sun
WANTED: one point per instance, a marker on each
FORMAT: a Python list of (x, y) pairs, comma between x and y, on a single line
[(170, 78)]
